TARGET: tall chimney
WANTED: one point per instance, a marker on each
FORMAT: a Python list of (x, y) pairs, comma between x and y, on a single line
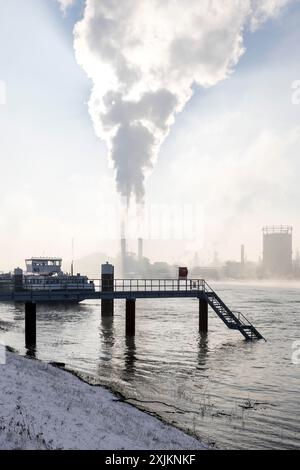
[(140, 250), (243, 255), (123, 255)]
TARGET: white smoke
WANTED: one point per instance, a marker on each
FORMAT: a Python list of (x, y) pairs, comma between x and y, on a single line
[(144, 56), (65, 4), (263, 10)]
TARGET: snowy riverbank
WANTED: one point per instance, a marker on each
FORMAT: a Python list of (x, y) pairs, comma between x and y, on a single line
[(43, 407)]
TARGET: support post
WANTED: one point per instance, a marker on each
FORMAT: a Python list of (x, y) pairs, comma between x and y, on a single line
[(18, 280), (203, 315), (107, 308), (30, 325), (130, 317), (107, 285)]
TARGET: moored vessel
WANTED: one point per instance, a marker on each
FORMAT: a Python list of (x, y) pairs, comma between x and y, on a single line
[(44, 274)]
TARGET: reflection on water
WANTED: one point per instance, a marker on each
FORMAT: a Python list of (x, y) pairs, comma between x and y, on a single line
[(228, 391), (202, 350), (108, 337), (130, 358)]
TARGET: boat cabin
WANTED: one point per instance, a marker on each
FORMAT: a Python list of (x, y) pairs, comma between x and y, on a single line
[(46, 266)]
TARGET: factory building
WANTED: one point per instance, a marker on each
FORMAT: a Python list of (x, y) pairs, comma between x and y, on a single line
[(277, 251)]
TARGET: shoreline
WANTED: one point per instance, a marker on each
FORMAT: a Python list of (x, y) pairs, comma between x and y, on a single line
[(35, 402), (128, 401)]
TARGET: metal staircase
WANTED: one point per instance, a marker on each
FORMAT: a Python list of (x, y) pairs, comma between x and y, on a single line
[(233, 320)]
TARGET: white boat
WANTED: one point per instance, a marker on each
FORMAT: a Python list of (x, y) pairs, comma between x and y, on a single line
[(47, 274)]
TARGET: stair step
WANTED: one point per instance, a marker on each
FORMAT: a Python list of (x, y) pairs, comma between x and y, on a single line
[(232, 322)]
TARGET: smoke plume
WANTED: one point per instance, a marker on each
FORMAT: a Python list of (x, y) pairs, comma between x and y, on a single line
[(65, 4), (144, 58)]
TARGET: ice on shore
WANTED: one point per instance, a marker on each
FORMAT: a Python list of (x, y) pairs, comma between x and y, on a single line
[(43, 407)]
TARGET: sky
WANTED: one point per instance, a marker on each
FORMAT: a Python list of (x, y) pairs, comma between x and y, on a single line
[(229, 161)]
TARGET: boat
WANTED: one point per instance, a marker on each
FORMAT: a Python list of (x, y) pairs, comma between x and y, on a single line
[(46, 274), (6, 281)]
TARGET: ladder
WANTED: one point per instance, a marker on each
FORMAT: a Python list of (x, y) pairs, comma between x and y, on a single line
[(233, 320)]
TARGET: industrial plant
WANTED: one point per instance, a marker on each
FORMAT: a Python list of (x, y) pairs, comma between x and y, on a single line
[(276, 262)]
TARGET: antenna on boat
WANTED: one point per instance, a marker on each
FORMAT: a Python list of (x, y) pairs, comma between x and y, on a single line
[(72, 263)]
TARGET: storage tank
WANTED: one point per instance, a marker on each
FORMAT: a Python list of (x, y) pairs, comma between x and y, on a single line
[(277, 251)]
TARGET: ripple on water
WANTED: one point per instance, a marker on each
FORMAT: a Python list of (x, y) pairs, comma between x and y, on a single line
[(234, 393)]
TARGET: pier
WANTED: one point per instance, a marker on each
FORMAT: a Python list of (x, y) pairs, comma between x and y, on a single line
[(108, 289)]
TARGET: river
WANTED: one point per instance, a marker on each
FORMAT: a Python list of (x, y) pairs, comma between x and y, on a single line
[(231, 393)]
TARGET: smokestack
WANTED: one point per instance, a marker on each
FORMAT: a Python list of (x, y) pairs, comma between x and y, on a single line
[(140, 250), (243, 255), (123, 255)]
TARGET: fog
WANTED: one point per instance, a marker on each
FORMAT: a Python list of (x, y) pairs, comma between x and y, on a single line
[(230, 156)]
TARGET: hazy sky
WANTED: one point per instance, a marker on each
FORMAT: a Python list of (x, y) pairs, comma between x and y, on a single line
[(232, 152)]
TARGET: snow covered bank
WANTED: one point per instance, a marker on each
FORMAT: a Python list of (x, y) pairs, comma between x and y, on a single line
[(43, 407)]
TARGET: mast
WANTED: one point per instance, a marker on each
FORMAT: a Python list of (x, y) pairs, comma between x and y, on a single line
[(72, 262)]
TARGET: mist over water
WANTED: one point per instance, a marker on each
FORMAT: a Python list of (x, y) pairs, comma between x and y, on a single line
[(227, 391)]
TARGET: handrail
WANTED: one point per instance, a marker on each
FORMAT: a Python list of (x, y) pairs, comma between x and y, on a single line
[(116, 285), (208, 288), (247, 322), (241, 318), (152, 285)]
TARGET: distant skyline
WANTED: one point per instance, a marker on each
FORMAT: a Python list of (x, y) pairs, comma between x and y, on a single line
[(233, 150)]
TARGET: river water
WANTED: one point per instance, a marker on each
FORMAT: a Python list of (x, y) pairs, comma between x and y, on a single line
[(231, 393)]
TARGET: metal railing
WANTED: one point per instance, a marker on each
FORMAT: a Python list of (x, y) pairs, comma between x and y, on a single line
[(149, 285), (244, 320), (117, 285)]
